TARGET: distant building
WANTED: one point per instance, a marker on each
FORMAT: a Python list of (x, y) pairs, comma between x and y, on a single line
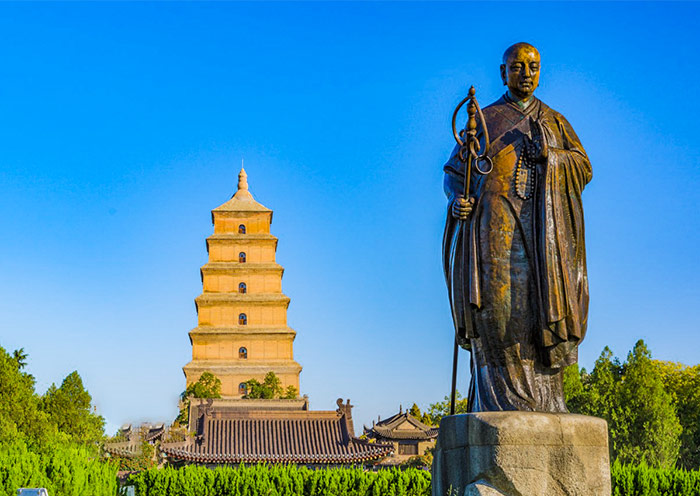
[(242, 330), (408, 435), (130, 439), (274, 431)]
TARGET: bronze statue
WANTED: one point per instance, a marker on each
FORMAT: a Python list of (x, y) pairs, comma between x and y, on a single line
[(514, 253)]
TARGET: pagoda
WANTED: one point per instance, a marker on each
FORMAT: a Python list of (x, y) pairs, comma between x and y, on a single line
[(242, 330)]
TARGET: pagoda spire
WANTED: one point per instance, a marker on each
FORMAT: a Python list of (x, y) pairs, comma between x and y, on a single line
[(243, 193)]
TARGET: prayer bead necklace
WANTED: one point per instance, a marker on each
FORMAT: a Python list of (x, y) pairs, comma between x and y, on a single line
[(524, 176)]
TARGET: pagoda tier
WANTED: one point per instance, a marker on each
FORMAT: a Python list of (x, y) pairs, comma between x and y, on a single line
[(242, 330)]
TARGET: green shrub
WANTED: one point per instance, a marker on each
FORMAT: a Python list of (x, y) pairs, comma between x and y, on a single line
[(65, 470), (290, 480), (280, 480), (644, 481)]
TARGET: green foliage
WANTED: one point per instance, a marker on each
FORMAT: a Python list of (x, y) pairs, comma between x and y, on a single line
[(280, 480), (290, 393), (143, 461), (207, 386), (641, 415), (49, 442), (290, 480), (270, 388), (68, 408), (653, 429), (420, 461), (20, 416), (420, 416), (20, 356), (64, 469), (630, 480), (442, 408), (683, 383)]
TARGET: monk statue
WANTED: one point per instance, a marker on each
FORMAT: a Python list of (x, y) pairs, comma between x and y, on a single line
[(514, 251)]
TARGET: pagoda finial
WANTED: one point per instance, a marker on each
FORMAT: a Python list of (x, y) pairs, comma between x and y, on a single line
[(243, 193), (242, 178)]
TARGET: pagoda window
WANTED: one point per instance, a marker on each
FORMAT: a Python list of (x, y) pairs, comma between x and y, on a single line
[(243, 353), (243, 388), (242, 288), (242, 319), (241, 257), (241, 229)]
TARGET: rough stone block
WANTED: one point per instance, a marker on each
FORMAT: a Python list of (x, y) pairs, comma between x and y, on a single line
[(521, 454), (481, 488)]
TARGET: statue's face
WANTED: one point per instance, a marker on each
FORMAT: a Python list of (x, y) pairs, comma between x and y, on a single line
[(521, 72)]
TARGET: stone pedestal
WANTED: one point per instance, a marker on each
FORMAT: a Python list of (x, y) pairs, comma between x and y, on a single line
[(521, 454)]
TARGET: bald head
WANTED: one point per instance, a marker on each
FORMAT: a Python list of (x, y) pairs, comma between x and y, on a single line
[(520, 70), (519, 46)]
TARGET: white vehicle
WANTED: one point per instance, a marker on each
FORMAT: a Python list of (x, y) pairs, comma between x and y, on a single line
[(32, 492)]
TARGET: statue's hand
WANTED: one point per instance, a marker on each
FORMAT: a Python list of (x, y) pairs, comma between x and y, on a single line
[(461, 207), (537, 146)]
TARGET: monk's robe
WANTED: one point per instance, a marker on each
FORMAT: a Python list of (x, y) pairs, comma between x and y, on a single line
[(516, 268)]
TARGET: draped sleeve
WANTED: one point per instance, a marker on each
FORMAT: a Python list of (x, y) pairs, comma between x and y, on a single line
[(561, 251)]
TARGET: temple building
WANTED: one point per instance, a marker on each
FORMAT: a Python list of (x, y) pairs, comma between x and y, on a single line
[(408, 435), (129, 439), (272, 431), (242, 330)]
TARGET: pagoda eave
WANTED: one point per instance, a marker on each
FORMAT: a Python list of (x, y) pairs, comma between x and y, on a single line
[(206, 299), (241, 268), (226, 368), (241, 237), (242, 331), (242, 241)]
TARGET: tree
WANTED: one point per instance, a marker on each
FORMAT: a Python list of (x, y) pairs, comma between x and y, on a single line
[(442, 408), (642, 421), (69, 409), (20, 416), (653, 429), (290, 393), (418, 415), (20, 356), (62, 417), (270, 388), (207, 386), (683, 383)]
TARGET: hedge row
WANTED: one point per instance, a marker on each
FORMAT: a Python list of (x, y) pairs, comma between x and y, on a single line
[(280, 480), (645, 481), (65, 471), (289, 480), (71, 471)]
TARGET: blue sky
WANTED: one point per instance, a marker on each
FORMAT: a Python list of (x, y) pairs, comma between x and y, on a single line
[(123, 124)]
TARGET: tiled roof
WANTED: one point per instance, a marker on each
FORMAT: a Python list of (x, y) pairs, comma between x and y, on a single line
[(398, 434), (388, 428), (306, 437)]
